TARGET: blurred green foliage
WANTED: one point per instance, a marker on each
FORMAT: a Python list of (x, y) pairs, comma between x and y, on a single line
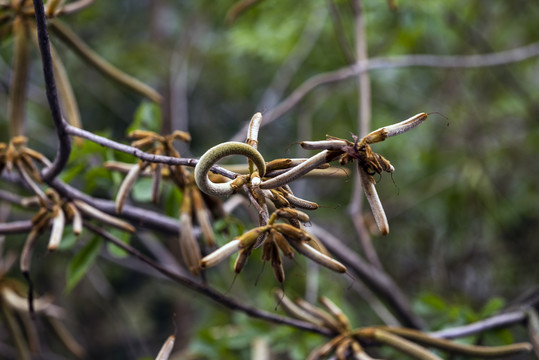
[(462, 203)]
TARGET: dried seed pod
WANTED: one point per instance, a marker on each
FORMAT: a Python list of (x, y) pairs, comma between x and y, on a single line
[(374, 202), (241, 260), (17, 93), (282, 244), (28, 249), (324, 317), (277, 198), (278, 164), (203, 217), (58, 222), (277, 266), (249, 238), (290, 213), (181, 135), (395, 129), (293, 310), (74, 42), (166, 349), (337, 313), (332, 144), (189, 245), (140, 134), (220, 254), (292, 232), (101, 216), (317, 256), (301, 203), (126, 186), (404, 345), (74, 215)]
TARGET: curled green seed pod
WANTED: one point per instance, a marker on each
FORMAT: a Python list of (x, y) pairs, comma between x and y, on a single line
[(215, 154)]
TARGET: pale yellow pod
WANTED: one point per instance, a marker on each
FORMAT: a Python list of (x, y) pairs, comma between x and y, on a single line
[(58, 222), (101, 216), (374, 201), (220, 254), (126, 186), (166, 349), (317, 256)]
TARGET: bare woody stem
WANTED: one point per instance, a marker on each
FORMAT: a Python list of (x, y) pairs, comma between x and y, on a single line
[(64, 145), (206, 291)]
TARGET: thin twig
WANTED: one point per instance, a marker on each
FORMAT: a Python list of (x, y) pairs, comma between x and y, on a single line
[(377, 280), (207, 291), (494, 322), (394, 62), (103, 141), (64, 142), (364, 124)]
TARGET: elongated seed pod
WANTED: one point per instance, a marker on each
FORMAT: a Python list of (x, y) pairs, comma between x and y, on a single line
[(126, 186), (341, 350), (166, 349), (17, 93), (282, 244), (20, 303), (65, 91), (323, 350), (252, 132), (249, 238), (458, 348), (293, 310), (51, 7), (75, 217), (188, 244), (298, 171), (88, 55), (374, 201), (220, 254), (28, 249), (289, 213), (395, 129), (335, 311), (277, 264), (181, 135), (301, 203), (533, 329), (324, 317), (101, 216), (403, 345), (241, 260), (157, 175), (317, 256), (292, 232), (138, 134), (323, 145), (215, 154), (203, 217), (58, 222), (278, 164)]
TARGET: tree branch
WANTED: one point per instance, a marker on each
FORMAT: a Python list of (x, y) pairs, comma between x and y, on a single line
[(103, 141), (494, 322), (394, 62), (64, 142), (377, 280), (207, 291)]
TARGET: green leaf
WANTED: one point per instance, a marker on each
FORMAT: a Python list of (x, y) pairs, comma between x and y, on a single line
[(142, 190), (115, 250), (147, 117), (82, 262)]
